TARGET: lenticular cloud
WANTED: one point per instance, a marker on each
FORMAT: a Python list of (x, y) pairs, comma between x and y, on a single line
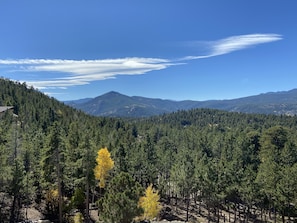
[(235, 43), (81, 72)]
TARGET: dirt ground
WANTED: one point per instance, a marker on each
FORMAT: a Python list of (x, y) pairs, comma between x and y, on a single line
[(169, 213), (32, 214)]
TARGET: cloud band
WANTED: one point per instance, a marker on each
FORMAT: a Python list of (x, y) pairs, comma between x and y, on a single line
[(81, 72)]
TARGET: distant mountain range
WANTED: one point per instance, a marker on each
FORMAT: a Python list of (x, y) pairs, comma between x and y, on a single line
[(114, 104)]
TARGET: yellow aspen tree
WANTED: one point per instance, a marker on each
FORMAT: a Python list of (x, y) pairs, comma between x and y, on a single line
[(150, 203), (78, 218), (104, 165), (52, 201)]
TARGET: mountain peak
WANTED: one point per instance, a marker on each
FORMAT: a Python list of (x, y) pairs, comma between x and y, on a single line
[(111, 96), (119, 105), (112, 93)]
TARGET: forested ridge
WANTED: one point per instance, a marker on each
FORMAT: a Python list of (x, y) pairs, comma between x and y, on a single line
[(210, 164), (114, 104)]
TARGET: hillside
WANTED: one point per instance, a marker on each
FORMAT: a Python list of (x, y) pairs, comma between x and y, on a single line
[(114, 104), (207, 165)]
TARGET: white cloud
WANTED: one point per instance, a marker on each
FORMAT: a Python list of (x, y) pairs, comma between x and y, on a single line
[(81, 72), (234, 43)]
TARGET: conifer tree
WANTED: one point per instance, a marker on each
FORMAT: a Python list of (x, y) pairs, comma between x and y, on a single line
[(88, 166), (120, 202), (5, 167), (271, 172), (52, 161)]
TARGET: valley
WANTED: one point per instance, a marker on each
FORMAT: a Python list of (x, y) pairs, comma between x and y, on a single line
[(114, 104), (204, 165)]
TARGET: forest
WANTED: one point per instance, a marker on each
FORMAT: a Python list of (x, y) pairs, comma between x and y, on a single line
[(201, 165)]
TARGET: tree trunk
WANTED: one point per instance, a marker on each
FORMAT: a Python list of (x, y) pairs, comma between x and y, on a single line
[(188, 204), (208, 207), (15, 209), (229, 213), (218, 220), (208, 211), (12, 211), (235, 213), (87, 187), (247, 213), (0, 214), (289, 214), (175, 202), (274, 212), (87, 202), (59, 187)]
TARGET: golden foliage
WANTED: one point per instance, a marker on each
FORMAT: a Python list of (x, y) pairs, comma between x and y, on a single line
[(150, 203), (52, 200), (52, 196), (78, 218), (104, 165)]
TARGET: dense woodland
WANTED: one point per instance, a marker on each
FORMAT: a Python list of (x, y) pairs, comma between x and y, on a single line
[(223, 166)]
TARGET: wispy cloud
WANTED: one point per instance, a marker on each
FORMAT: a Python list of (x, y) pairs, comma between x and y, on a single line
[(235, 43), (81, 72)]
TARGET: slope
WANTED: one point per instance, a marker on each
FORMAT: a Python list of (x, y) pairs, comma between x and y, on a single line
[(118, 105)]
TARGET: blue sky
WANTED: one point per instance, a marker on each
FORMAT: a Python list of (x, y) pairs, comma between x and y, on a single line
[(170, 49)]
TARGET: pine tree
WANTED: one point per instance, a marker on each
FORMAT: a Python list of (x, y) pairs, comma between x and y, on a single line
[(87, 168), (120, 202), (52, 161), (271, 171), (5, 167)]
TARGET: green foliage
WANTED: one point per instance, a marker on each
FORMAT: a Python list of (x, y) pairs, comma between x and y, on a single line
[(78, 199), (120, 202), (5, 167), (118, 105), (52, 154), (276, 171), (218, 158)]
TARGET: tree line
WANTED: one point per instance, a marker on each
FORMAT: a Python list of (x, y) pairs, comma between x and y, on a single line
[(231, 165)]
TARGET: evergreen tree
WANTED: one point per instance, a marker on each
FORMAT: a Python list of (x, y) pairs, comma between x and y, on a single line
[(120, 202), (88, 167), (5, 167), (183, 176), (73, 170), (270, 171), (52, 163)]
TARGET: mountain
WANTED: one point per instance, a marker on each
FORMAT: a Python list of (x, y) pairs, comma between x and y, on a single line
[(114, 104), (39, 135), (79, 101)]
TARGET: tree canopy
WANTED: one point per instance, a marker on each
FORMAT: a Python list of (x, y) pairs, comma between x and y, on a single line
[(204, 159)]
